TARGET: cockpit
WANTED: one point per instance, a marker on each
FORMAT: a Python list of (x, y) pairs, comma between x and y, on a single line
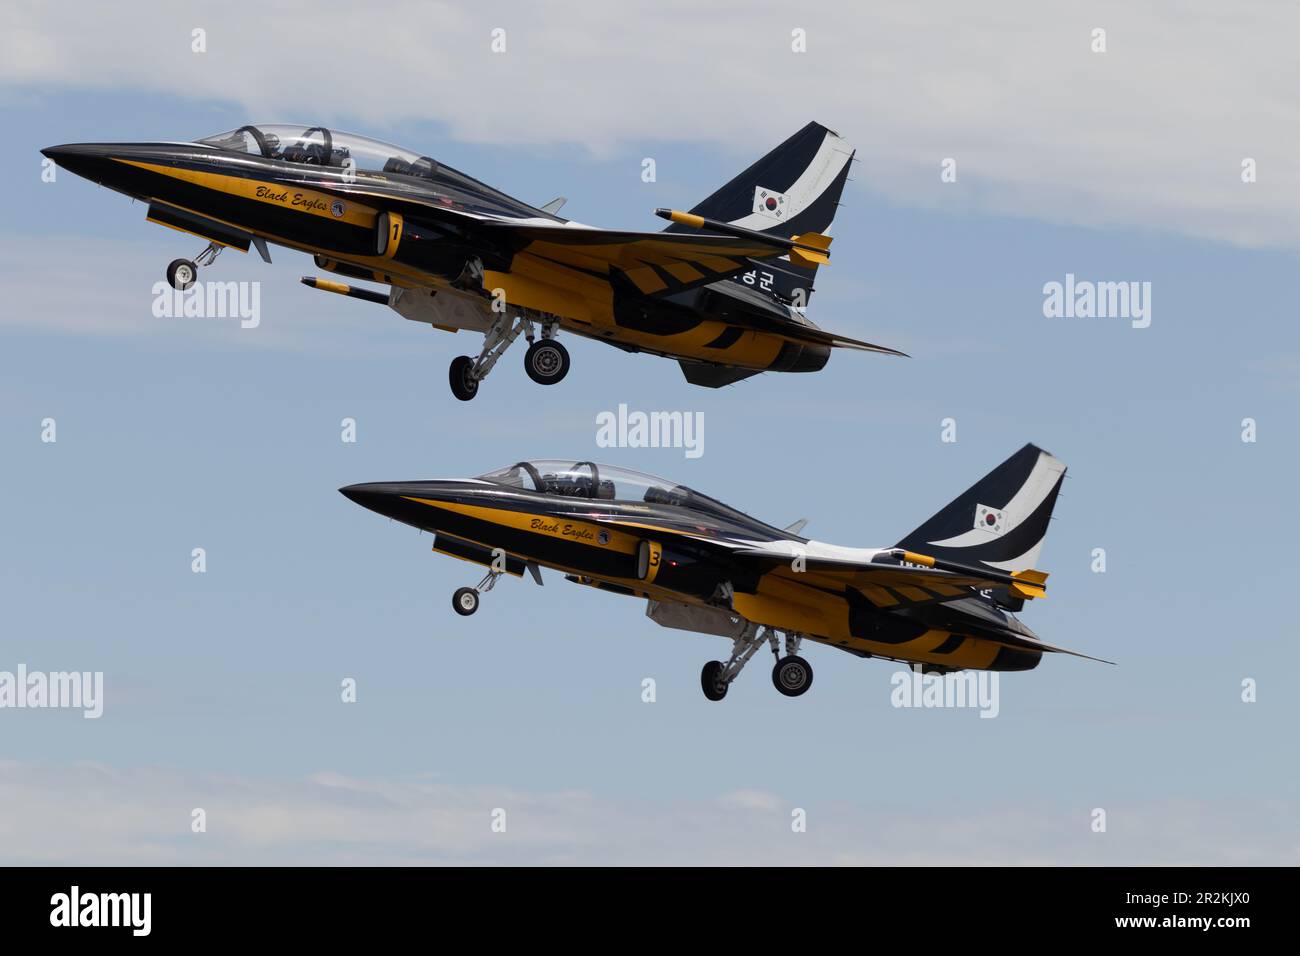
[(586, 479), (318, 146)]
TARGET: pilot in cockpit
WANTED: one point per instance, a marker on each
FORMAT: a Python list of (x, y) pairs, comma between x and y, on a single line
[(575, 484)]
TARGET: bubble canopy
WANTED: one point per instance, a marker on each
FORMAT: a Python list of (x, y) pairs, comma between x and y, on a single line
[(587, 479), (318, 146)]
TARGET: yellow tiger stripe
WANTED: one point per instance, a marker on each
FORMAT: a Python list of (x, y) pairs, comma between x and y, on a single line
[(646, 279), (878, 596), (555, 526), (683, 272), (297, 198)]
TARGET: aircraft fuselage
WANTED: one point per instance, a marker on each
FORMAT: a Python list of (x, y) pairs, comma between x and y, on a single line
[(669, 553)]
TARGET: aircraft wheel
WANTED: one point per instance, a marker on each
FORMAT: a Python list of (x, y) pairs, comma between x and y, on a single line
[(546, 361), (713, 687), (461, 375), (181, 274), (465, 601), (792, 676)]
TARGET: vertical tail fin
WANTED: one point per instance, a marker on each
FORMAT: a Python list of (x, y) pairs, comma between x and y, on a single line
[(794, 189), (999, 521)]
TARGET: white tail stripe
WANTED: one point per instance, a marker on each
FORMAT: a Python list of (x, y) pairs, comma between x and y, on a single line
[(1042, 479), (831, 158)]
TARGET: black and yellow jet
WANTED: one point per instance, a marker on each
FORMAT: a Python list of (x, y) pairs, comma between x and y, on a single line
[(942, 599), (723, 289)]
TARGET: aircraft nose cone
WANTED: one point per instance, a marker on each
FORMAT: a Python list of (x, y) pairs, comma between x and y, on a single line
[(89, 160), (369, 495), (74, 151)]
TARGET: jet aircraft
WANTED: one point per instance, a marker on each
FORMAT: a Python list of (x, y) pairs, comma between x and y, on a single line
[(723, 290), (943, 599)]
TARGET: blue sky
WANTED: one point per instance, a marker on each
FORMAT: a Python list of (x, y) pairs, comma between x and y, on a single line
[(222, 689)]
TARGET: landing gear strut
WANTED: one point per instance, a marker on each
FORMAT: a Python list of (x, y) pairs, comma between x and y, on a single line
[(546, 362), (792, 675), (182, 272), (465, 600)]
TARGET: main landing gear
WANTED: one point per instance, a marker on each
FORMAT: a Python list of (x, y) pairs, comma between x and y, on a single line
[(791, 675), (546, 361), (465, 600), (182, 272)]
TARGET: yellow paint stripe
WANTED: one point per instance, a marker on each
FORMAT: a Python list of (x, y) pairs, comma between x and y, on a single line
[(878, 596), (393, 225), (913, 594), (814, 239), (564, 527), (295, 198), (655, 559), (573, 256), (661, 530), (947, 590), (646, 279), (686, 219), (717, 263), (683, 272)]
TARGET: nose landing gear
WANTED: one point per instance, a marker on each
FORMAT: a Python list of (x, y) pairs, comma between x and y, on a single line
[(182, 273), (466, 600)]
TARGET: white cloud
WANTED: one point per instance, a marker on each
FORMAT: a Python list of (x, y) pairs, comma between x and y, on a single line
[(1149, 134), (83, 814)]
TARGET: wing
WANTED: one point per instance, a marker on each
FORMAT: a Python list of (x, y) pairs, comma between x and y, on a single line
[(891, 578), (881, 577), (654, 263), (888, 578)]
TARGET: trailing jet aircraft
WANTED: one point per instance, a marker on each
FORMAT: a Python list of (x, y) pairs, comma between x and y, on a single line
[(942, 599), (723, 290)]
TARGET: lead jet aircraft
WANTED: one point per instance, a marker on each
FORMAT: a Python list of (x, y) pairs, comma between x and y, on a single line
[(723, 290), (942, 599)]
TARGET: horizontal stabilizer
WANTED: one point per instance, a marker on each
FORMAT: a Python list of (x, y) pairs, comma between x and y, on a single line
[(807, 333), (1033, 644)]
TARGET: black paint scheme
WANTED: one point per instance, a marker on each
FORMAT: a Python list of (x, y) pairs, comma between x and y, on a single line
[(642, 536)]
